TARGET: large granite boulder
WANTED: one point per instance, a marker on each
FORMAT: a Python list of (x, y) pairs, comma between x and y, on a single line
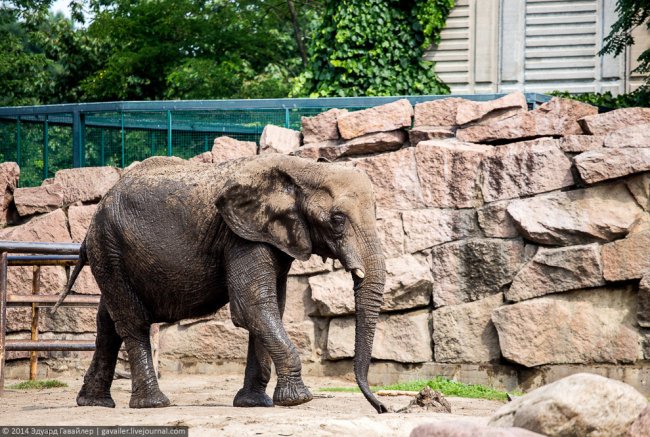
[(425, 228), (641, 426), (276, 139), (37, 200), (471, 111), (581, 327), (583, 404), (384, 118), (465, 333), (603, 164), (597, 214), (87, 184), (226, 148), (321, 127), (472, 269), (458, 428), (405, 338), (79, 218), (637, 135), (525, 168), (557, 270), (627, 258), (9, 175), (449, 172), (603, 124), (580, 143), (639, 186), (495, 222), (437, 113), (395, 179), (377, 142)]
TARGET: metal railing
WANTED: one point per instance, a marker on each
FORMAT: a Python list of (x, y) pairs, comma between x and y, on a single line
[(37, 255)]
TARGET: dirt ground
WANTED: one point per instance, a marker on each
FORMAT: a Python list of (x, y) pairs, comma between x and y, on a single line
[(204, 404)]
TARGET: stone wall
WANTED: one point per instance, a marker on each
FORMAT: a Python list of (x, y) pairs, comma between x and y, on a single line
[(516, 243)]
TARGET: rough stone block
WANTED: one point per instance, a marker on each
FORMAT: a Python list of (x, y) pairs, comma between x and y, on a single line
[(425, 133), (405, 338), (469, 270), (628, 258), (602, 124), (9, 175), (384, 118), (581, 327), (643, 313), (299, 304), (603, 164), (495, 220), (79, 218), (395, 180), (36, 200), (632, 136), (87, 184), (449, 172), (465, 333), (639, 186), (391, 233), (593, 215), (437, 112), (366, 144), (202, 158), (581, 143), (276, 139), (425, 228), (557, 270), (315, 264), (525, 168), (462, 428), (470, 111), (226, 148), (557, 117), (321, 127), (408, 285)]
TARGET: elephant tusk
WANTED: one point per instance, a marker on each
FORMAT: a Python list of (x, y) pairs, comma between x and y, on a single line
[(359, 273)]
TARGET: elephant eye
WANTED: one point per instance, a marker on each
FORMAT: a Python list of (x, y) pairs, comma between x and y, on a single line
[(338, 222)]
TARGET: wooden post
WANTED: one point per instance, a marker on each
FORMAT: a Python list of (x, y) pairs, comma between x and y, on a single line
[(33, 357), (3, 317)]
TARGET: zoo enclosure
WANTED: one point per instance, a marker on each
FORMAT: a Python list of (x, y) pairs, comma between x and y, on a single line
[(45, 139)]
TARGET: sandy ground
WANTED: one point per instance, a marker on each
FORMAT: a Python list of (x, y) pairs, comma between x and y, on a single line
[(204, 404)]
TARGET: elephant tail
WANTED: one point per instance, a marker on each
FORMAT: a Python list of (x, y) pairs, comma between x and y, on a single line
[(73, 277)]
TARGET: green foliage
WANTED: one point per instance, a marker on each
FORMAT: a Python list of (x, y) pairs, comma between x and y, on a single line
[(38, 384), (631, 14), (640, 97), (445, 386), (374, 47)]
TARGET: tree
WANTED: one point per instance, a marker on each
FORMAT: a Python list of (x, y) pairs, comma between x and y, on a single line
[(631, 14), (375, 47)]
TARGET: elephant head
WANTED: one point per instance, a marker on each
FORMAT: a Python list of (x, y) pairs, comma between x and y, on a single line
[(306, 208)]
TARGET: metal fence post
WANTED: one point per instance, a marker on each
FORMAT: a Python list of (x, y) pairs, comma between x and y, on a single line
[(3, 317), (18, 143), (77, 139), (287, 118), (123, 136), (169, 133), (46, 146), (101, 148)]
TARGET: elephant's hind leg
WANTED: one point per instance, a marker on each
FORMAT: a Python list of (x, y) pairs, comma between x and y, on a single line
[(96, 389), (256, 378)]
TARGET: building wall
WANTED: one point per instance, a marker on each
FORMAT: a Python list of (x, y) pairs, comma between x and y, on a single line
[(534, 46)]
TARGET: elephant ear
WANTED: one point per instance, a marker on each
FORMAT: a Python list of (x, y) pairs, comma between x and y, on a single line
[(264, 207)]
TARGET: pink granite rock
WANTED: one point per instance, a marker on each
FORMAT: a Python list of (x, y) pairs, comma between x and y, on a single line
[(438, 113), (366, 144), (637, 135), (602, 124), (470, 111), (603, 164), (384, 118), (226, 148), (35, 200), (204, 158), (87, 184), (276, 139), (79, 218), (581, 143), (425, 133), (9, 175), (627, 258), (321, 127)]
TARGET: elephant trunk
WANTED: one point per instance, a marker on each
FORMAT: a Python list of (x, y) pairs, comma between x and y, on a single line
[(368, 297)]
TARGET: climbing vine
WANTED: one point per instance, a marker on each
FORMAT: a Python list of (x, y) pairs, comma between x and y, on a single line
[(375, 47)]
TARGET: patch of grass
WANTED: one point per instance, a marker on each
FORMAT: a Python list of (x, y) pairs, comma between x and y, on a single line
[(38, 384), (445, 386)]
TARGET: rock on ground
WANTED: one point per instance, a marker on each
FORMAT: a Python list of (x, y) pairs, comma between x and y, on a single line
[(465, 333), (472, 269), (583, 405), (598, 214), (641, 426), (579, 327), (467, 429), (557, 270)]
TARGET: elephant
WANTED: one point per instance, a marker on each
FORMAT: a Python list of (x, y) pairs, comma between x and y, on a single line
[(174, 239)]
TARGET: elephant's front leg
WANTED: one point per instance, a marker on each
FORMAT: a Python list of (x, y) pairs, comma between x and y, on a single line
[(253, 271)]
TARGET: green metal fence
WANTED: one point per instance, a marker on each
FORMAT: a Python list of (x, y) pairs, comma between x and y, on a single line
[(45, 139)]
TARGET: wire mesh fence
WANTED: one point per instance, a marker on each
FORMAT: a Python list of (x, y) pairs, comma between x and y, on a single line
[(45, 139)]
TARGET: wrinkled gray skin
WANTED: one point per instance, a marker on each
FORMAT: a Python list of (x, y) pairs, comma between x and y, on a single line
[(174, 240)]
